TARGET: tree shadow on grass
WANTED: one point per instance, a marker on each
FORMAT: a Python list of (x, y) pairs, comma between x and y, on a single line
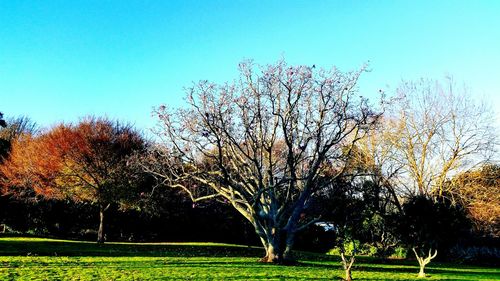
[(73, 248)]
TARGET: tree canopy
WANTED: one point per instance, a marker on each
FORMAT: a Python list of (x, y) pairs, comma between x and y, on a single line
[(435, 129), (265, 143), (84, 162)]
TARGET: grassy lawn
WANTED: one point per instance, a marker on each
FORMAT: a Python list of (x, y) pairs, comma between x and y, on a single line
[(48, 259)]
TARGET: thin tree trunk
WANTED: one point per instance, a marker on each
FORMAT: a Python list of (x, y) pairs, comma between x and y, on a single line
[(100, 232), (421, 273), (347, 264), (395, 199), (348, 276)]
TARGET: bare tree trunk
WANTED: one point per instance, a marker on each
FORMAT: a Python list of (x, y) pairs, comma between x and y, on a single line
[(278, 248), (424, 261), (348, 262), (421, 273), (280, 253), (395, 198), (100, 232), (272, 255), (287, 253), (348, 276)]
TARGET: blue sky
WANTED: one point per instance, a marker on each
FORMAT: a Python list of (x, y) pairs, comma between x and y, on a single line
[(61, 60)]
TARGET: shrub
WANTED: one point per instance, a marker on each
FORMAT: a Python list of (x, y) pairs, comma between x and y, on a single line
[(361, 249), (400, 253)]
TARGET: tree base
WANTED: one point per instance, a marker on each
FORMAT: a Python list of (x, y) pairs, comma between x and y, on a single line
[(278, 261), (348, 276)]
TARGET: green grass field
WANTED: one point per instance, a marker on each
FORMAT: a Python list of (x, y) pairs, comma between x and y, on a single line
[(48, 259)]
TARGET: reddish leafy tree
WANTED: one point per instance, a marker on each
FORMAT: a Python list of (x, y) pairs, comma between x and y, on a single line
[(20, 168), (84, 162)]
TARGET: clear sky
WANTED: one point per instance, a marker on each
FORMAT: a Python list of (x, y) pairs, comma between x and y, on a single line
[(60, 60)]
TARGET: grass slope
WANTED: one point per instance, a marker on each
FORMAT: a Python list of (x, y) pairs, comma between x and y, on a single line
[(48, 259)]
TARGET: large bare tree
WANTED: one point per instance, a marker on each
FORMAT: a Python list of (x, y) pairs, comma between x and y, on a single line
[(265, 144), (372, 161), (435, 129)]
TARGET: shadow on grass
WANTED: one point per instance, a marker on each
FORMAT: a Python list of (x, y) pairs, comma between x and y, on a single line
[(75, 248)]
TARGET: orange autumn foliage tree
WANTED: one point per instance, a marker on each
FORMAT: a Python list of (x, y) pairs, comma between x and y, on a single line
[(479, 191), (87, 162), (21, 172)]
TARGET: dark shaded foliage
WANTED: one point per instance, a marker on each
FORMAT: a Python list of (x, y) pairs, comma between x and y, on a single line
[(178, 220), (2, 121), (315, 239), (433, 224), (4, 149), (358, 211)]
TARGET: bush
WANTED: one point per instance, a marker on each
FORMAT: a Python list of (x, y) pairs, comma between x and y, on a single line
[(361, 249), (400, 253)]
